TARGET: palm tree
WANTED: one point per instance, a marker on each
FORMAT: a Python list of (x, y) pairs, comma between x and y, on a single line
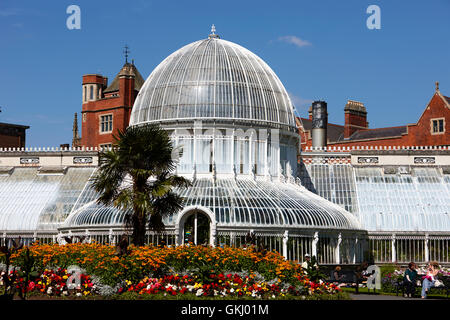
[(137, 174)]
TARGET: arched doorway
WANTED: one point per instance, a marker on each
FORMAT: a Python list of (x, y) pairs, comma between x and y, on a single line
[(196, 229), (196, 225)]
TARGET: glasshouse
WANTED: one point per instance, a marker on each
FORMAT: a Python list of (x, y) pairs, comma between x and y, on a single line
[(232, 117)]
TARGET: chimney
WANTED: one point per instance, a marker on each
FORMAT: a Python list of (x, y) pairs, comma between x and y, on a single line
[(319, 124), (355, 118)]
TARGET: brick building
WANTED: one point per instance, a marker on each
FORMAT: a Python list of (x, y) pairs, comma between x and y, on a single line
[(106, 108), (432, 128), (12, 135)]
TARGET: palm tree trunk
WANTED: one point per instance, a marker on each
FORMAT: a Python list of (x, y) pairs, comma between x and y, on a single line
[(139, 227)]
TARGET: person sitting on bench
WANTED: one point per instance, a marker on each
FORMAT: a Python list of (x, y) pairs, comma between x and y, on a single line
[(338, 277), (429, 280), (409, 281)]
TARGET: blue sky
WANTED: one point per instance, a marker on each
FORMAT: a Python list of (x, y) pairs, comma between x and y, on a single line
[(319, 50)]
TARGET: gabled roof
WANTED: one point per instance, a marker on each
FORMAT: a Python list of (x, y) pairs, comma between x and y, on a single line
[(378, 133), (127, 69), (12, 125), (335, 132)]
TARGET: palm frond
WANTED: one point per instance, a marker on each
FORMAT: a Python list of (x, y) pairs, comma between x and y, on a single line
[(136, 174)]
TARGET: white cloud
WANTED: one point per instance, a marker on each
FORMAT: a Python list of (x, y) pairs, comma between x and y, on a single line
[(8, 12), (300, 104), (295, 41)]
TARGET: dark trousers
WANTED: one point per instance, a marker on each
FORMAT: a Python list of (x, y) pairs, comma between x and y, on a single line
[(410, 287)]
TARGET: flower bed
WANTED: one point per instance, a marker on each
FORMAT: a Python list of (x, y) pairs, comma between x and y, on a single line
[(230, 285), (53, 283), (203, 271)]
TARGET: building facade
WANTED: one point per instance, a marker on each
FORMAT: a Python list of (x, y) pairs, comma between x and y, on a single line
[(12, 135), (106, 108), (431, 129)]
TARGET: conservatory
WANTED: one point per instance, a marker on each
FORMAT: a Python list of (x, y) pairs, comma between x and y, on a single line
[(231, 115)]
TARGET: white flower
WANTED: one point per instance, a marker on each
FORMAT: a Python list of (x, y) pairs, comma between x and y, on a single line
[(273, 296), (49, 290), (231, 290), (199, 292), (66, 293), (215, 292), (78, 294)]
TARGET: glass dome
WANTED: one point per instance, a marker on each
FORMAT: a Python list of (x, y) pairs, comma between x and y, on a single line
[(214, 79)]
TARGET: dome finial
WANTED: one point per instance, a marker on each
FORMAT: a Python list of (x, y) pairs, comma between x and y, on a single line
[(213, 32), (437, 86)]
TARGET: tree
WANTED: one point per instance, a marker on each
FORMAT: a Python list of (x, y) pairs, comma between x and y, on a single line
[(136, 175)]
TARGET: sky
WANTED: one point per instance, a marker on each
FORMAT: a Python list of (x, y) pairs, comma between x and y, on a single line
[(320, 50)]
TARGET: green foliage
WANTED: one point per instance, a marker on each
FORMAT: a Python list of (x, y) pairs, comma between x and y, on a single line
[(313, 270), (388, 268), (27, 271), (390, 278), (144, 154)]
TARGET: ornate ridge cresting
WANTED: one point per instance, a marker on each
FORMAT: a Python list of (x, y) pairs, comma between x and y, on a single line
[(374, 148), (307, 149)]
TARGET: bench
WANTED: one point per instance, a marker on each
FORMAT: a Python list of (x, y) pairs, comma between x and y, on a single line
[(400, 286)]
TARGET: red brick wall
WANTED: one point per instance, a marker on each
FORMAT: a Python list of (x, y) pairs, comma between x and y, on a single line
[(94, 78), (420, 133), (7, 141), (120, 108), (354, 122)]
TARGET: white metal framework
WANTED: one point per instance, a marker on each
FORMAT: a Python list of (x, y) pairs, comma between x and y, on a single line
[(239, 203), (406, 212)]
